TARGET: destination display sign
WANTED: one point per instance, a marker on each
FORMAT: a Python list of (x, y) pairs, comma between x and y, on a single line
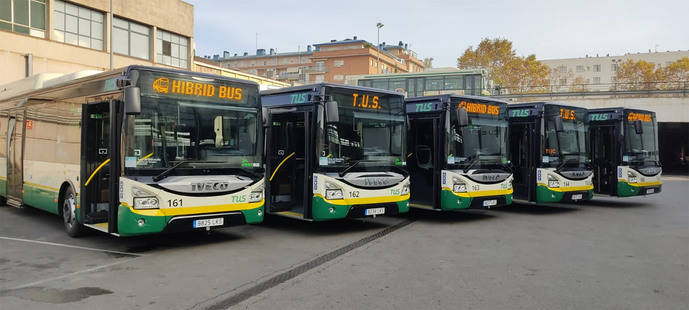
[(196, 88), (423, 106), (568, 114), (521, 112), (363, 100), (600, 116), (479, 107), (643, 117)]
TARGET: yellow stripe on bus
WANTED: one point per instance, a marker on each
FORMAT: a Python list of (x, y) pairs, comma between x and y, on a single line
[(365, 200), (196, 210), (640, 184), (96, 171), (50, 188), (568, 189), (494, 192), (278, 167)]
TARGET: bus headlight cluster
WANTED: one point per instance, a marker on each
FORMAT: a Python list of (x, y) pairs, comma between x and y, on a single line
[(459, 186), (256, 195), (141, 203), (553, 182), (144, 199), (632, 177), (333, 191), (405, 189)]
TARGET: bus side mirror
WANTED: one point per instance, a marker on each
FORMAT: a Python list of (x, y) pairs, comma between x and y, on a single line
[(462, 117), (558, 124), (331, 111), (638, 127), (132, 100)]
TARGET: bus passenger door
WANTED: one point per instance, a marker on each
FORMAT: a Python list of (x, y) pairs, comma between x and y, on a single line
[(15, 158), (523, 159), (288, 171), (425, 182), (96, 182), (603, 147)]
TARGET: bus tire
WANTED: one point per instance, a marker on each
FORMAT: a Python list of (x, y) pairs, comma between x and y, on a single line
[(68, 210)]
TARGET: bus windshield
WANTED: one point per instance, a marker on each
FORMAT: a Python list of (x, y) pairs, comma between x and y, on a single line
[(373, 135), (640, 148), (185, 121), (481, 144), (569, 146)]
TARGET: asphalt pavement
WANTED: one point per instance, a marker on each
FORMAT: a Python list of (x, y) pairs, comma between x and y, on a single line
[(609, 253)]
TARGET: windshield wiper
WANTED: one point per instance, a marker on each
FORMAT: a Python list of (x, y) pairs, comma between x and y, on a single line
[(473, 162), (343, 172), (167, 171)]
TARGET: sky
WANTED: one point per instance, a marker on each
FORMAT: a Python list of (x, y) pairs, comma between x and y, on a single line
[(445, 29)]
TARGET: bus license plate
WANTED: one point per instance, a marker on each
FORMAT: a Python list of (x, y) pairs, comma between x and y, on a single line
[(209, 222), (490, 203), (375, 211), (650, 191), (577, 196)]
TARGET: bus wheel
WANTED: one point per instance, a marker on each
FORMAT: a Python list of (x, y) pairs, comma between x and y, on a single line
[(69, 210)]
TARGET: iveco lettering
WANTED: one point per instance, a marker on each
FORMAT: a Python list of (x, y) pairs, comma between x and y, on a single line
[(335, 152), (136, 151), (458, 153)]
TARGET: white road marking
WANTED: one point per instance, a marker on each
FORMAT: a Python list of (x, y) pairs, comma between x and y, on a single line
[(69, 246)]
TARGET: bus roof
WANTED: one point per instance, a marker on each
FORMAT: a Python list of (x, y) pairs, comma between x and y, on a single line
[(620, 110), (541, 104), (455, 96), (316, 86), (49, 87)]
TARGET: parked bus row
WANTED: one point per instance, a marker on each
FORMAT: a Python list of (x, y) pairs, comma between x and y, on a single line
[(145, 150)]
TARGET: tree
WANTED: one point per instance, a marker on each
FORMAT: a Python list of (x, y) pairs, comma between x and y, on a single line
[(428, 62), (676, 74), (504, 66), (633, 75)]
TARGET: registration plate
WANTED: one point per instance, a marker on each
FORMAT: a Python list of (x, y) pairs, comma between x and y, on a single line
[(577, 196), (490, 203), (650, 191), (375, 211), (209, 222)]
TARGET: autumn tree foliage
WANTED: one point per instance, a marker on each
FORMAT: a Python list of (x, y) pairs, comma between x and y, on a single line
[(504, 66), (645, 75)]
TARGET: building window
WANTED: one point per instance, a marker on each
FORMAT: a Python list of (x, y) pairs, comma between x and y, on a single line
[(562, 69), (580, 68), (596, 80), (613, 79), (614, 67), (563, 81), (338, 63), (320, 78), (454, 83), (171, 49), (23, 16), (434, 83), (320, 66), (130, 38), (596, 68), (77, 25), (338, 77)]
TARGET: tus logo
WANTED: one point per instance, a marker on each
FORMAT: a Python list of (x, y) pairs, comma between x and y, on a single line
[(162, 85)]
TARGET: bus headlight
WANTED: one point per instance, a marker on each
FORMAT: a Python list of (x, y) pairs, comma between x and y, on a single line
[(331, 194), (405, 189), (255, 196), (144, 199), (553, 182), (632, 177), (141, 203), (459, 186)]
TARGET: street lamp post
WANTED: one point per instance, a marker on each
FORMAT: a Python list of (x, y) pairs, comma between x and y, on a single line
[(378, 25)]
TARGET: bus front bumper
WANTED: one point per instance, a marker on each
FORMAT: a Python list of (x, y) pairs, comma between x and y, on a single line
[(625, 189), (450, 201), (547, 194), (131, 223), (322, 210)]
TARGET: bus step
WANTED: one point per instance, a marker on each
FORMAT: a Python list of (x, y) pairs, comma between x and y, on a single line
[(99, 226), (14, 202)]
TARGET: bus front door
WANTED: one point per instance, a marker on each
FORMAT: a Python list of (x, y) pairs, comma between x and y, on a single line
[(425, 178), (288, 171), (604, 155), (96, 185), (523, 158), (15, 158)]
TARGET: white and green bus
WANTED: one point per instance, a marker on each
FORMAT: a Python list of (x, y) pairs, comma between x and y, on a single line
[(134, 151)]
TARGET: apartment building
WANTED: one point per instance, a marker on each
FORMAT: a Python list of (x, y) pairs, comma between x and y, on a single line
[(602, 69), (67, 36), (329, 62)]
